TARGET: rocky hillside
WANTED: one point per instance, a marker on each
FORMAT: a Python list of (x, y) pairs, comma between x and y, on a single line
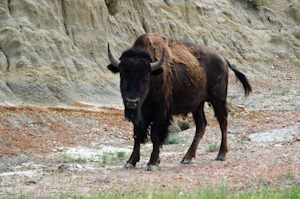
[(54, 51)]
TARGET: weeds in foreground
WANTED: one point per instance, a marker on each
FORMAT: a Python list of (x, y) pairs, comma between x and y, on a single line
[(218, 192)]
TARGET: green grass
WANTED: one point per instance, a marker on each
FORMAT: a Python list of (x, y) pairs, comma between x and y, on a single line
[(121, 154), (109, 157), (105, 158), (112, 6), (67, 158), (281, 92), (259, 2), (173, 138), (212, 147), (213, 192), (248, 20)]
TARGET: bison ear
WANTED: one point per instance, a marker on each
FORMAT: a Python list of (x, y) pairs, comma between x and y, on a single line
[(112, 68), (157, 71)]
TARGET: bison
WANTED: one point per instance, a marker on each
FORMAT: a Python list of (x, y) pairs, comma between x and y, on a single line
[(160, 77)]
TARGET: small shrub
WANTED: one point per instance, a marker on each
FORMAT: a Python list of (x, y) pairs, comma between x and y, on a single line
[(249, 20), (184, 124), (113, 6), (257, 3), (232, 108), (212, 147), (297, 34), (121, 154), (173, 138)]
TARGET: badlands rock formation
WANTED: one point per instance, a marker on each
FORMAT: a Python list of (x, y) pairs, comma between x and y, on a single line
[(54, 51)]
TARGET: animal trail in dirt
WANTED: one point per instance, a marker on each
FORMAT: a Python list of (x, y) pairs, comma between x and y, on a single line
[(161, 77)]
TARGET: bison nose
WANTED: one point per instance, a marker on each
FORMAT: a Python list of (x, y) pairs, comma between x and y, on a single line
[(132, 103)]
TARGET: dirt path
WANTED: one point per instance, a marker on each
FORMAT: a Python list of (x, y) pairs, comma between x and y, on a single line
[(82, 149)]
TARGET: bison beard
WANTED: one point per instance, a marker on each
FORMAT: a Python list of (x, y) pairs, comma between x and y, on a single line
[(132, 115), (190, 75)]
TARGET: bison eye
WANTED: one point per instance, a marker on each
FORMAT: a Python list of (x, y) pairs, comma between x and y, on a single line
[(147, 77)]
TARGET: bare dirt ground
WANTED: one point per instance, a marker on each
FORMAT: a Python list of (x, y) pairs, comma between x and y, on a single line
[(80, 149)]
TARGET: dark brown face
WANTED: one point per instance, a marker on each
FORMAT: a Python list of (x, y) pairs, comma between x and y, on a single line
[(135, 68), (134, 84)]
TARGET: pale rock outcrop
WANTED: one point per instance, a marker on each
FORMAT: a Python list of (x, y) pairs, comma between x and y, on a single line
[(55, 51)]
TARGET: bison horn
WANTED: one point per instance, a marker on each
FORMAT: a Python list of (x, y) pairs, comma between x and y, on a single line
[(115, 62), (156, 65)]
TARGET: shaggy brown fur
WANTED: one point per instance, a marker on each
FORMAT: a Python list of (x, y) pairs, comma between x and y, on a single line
[(175, 52), (190, 75)]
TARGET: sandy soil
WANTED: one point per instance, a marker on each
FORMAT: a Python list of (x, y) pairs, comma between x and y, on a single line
[(80, 149)]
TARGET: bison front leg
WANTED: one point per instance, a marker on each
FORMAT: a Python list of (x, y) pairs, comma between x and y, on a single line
[(140, 134), (154, 159), (159, 132), (135, 156)]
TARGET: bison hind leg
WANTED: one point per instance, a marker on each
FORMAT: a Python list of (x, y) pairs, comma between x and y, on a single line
[(201, 123), (222, 114)]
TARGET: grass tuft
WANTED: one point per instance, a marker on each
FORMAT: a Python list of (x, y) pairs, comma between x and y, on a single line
[(212, 147), (173, 138), (113, 6)]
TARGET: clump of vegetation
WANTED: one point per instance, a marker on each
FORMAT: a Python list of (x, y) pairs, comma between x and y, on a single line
[(233, 108), (109, 157), (219, 191), (212, 147), (121, 154), (249, 20), (257, 3), (282, 92), (185, 124), (173, 138), (287, 176), (67, 158), (297, 34), (113, 6)]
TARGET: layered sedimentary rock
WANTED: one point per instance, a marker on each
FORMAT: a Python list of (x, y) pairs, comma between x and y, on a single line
[(55, 51)]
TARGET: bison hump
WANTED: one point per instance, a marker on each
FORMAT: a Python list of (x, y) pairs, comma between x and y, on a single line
[(176, 53)]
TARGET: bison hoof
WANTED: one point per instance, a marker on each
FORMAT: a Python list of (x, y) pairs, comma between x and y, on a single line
[(128, 166), (221, 158), (151, 168), (185, 161)]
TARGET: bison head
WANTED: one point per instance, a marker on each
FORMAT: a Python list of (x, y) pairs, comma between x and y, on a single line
[(135, 67)]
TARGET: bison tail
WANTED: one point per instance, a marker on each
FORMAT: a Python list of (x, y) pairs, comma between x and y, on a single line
[(242, 78)]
